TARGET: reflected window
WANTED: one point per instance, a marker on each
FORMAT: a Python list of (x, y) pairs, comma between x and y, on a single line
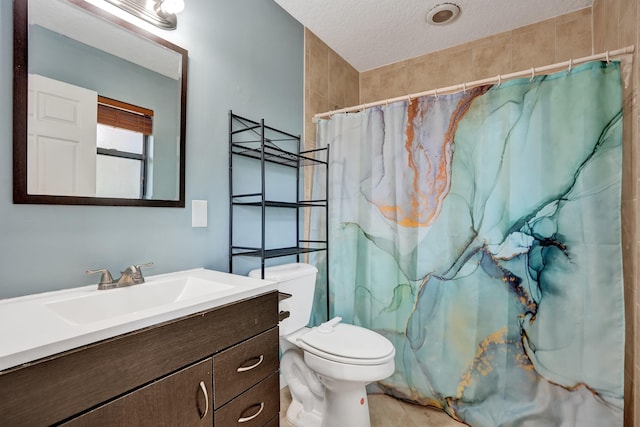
[(124, 146)]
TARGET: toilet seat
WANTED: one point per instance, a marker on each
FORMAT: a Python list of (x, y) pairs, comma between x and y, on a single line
[(349, 344)]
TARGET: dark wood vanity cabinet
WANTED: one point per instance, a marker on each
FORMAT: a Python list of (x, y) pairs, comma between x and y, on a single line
[(214, 368)]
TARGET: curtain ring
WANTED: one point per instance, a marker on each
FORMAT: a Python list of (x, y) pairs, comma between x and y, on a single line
[(533, 74), (499, 80), (435, 92), (387, 102), (464, 87), (570, 65), (608, 59), (409, 99)]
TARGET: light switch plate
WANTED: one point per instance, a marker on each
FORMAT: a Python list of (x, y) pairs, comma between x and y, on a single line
[(198, 213)]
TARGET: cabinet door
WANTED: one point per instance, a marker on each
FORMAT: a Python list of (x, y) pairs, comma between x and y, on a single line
[(181, 399)]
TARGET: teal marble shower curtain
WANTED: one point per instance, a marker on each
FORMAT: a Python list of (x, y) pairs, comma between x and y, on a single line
[(480, 233)]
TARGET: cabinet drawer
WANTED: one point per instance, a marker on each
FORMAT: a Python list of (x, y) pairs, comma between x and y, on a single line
[(253, 408), (273, 422), (178, 399), (241, 366)]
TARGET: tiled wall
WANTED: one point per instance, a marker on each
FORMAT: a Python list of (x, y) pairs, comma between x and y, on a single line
[(554, 40), (609, 25), (615, 25), (330, 83)]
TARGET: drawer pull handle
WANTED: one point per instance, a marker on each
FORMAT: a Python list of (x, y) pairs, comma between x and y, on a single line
[(247, 419), (203, 388), (255, 365), (283, 315)]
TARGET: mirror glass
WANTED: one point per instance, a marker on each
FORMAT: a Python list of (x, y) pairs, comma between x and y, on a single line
[(99, 109)]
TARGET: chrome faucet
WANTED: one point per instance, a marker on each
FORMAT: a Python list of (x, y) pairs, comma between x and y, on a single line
[(131, 275)]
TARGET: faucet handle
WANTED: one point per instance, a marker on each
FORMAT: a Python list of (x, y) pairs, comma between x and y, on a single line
[(136, 271), (105, 279), (139, 266)]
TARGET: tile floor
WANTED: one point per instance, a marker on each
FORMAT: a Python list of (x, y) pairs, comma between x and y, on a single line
[(387, 412)]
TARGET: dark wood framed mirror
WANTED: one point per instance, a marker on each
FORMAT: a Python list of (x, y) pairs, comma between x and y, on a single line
[(129, 82)]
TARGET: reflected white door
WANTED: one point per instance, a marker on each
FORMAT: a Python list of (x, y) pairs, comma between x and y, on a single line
[(61, 150)]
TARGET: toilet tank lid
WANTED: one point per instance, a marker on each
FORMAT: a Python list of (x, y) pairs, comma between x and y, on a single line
[(280, 273)]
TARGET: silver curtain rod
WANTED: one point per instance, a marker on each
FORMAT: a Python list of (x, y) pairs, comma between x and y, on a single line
[(532, 72)]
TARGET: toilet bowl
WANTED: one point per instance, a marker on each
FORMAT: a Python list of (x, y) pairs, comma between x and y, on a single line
[(343, 358), (308, 407)]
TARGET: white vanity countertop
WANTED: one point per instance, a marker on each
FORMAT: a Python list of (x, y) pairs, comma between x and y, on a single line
[(31, 328)]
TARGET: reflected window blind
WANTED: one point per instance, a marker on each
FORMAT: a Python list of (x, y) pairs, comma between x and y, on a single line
[(125, 116)]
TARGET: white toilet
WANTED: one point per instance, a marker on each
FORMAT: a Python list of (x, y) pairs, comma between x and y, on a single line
[(326, 367)]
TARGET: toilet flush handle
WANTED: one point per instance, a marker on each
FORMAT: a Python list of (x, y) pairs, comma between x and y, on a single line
[(327, 327)]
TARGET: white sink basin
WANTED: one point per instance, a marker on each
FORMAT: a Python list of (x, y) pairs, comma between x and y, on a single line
[(103, 305), (40, 325)]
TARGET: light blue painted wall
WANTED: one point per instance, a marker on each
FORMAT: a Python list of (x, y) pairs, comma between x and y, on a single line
[(244, 55)]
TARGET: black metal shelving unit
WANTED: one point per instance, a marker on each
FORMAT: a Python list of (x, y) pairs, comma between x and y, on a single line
[(268, 145)]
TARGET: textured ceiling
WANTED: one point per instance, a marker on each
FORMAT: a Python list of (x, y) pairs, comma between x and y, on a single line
[(372, 33)]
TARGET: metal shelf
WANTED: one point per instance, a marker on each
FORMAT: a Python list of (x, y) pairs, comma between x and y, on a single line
[(272, 253), (274, 204), (267, 145), (274, 155)]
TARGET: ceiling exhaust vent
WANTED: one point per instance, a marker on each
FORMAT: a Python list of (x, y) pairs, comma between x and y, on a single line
[(443, 14)]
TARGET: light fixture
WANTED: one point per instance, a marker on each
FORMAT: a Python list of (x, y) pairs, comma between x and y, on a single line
[(443, 14), (161, 13), (170, 7)]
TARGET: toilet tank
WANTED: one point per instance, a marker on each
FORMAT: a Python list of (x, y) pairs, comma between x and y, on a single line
[(299, 280)]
